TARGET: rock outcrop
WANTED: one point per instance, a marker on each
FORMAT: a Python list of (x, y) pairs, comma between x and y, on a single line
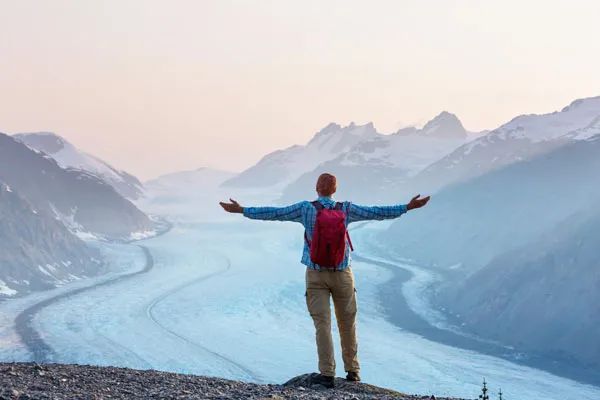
[(57, 381)]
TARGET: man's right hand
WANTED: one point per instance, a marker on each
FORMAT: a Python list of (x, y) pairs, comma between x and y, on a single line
[(417, 202), (233, 207)]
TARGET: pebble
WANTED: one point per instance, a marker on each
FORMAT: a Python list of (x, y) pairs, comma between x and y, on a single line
[(34, 381)]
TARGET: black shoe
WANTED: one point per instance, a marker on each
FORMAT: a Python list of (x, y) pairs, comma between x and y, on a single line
[(323, 380), (353, 376)]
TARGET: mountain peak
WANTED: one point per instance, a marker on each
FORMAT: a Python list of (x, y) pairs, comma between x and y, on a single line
[(408, 130), (332, 128), (69, 156), (445, 125), (588, 101), (48, 142)]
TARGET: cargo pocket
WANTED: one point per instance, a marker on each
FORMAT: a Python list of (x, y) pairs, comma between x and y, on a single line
[(306, 300)]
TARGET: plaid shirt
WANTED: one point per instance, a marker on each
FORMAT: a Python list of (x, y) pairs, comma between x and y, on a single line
[(305, 213)]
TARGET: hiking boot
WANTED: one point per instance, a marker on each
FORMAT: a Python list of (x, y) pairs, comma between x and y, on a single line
[(323, 380), (353, 376)]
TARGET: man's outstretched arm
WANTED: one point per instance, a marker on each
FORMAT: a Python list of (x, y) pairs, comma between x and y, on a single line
[(365, 213), (289, 213)]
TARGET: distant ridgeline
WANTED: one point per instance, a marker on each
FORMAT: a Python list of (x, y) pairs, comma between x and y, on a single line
[(370, 166)]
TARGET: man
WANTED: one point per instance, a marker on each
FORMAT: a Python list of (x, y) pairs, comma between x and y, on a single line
[(334, 281)]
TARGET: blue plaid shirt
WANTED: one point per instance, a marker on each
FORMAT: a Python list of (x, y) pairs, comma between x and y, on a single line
[(305, 213)]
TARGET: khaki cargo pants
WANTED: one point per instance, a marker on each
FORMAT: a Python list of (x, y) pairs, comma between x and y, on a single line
[(339, 285)]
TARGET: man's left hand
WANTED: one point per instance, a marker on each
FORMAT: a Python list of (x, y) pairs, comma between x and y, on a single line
[(417, 202)]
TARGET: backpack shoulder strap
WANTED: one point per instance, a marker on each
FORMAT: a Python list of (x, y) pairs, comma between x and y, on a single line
[(338, 206), (317, 204)]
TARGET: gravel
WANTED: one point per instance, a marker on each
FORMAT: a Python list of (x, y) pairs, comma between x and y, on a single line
[(59, 381)]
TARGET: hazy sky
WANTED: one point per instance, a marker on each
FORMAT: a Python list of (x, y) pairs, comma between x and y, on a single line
[(159, 86)]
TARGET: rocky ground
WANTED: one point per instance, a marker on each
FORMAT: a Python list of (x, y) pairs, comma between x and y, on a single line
[(57, 381)]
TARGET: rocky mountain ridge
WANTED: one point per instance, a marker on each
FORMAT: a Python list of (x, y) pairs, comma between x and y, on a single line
[(336, 148), (80, 199), (524, 137), (69, 156), (36, 251)]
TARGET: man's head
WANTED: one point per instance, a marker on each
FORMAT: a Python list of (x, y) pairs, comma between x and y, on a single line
[(326, 185)]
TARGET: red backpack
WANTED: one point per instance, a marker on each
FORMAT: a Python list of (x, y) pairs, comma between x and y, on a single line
[(328, 244)]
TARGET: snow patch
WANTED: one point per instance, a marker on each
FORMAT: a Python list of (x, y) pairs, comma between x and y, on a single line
[(85, 235), (588, 133), (142, 234), (5, 290), (44, 271)]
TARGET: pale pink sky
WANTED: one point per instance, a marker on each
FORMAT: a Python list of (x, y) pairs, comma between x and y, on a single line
[(159, 86)]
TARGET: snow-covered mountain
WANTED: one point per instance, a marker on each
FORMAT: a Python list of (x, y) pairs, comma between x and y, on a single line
[(69, 156), (376, 169), (577, 115), (409, 149), (518, 249), (36, 250), (521, 138), (81, 200), (281, 167), (470, 223), (446, 125)]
